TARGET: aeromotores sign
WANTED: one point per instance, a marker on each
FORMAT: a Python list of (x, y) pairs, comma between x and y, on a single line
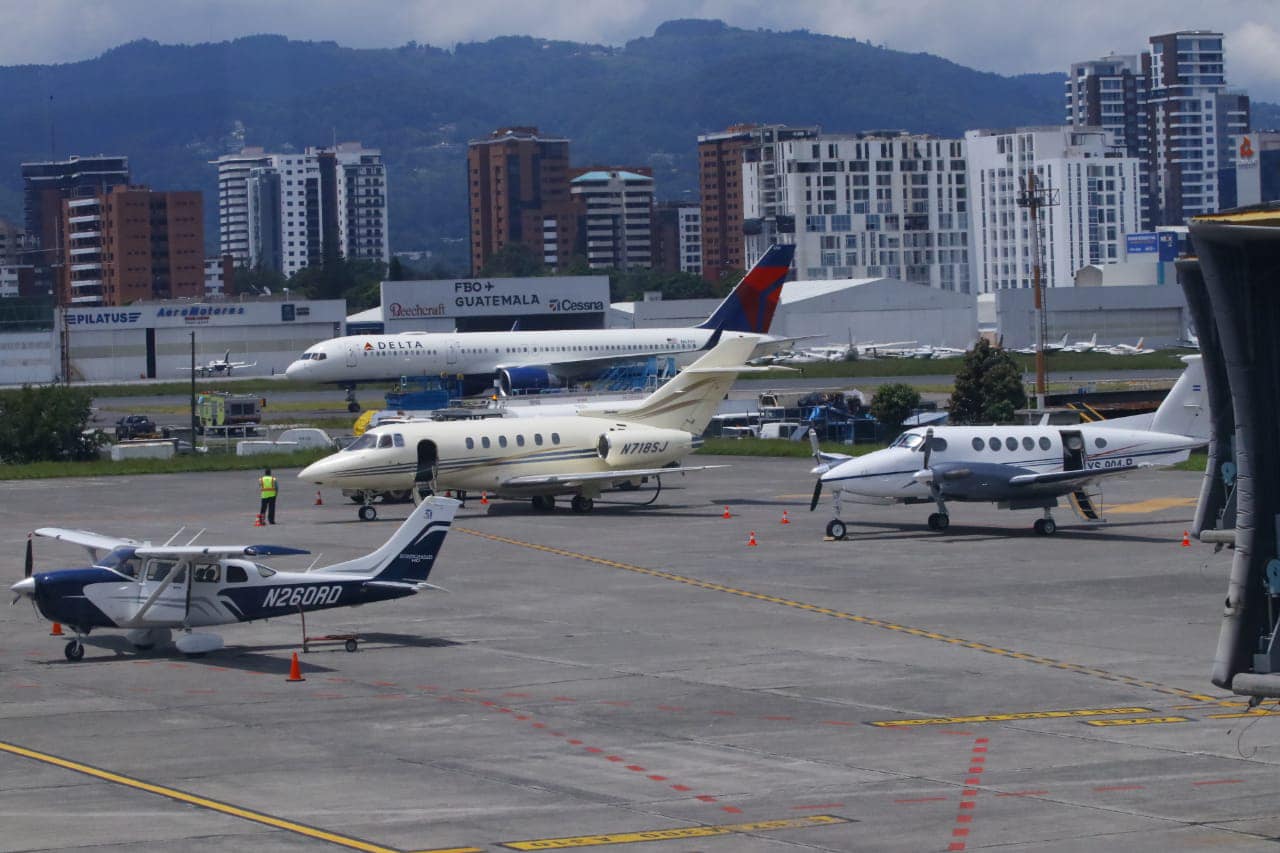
[(406, 304)]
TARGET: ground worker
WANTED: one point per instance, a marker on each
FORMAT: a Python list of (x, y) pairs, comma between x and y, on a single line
[(268, 485)]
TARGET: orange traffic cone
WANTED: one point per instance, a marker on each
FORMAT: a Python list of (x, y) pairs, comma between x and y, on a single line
[(1186, 539), (257, 522), (751, 542), (727, 514), (295, 671), (484, 498), (56, 630), (319, 500), (785, 520)]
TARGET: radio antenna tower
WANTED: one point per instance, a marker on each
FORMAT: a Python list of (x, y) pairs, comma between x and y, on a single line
[(1033, 197)]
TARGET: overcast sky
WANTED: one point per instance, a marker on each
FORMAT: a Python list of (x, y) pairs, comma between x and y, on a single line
[(992, 35)]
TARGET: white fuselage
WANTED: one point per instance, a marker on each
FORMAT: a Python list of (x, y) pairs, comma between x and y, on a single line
[(365, 358), (890, 473), (483, 455)]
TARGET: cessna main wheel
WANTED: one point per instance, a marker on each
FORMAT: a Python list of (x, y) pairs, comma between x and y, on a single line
[(939, 521), (836, 529)]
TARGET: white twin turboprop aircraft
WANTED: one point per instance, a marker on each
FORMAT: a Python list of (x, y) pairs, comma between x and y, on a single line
[(148, 589), (218, 366), (1018, 467)]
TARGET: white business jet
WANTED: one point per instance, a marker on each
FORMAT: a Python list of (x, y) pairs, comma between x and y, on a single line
[(542, 457), (1017, 467), (218, 366), (148, 590)]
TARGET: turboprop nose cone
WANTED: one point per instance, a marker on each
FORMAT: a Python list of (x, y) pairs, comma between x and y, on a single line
[(26, 586)]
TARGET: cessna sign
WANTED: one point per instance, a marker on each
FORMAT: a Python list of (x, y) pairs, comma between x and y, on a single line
[(408, 305)]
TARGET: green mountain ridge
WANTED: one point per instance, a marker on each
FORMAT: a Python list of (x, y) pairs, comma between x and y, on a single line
[(173, 108)]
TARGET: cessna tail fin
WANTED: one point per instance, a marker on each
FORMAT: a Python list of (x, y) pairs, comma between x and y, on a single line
[(409, 555), (750, 307)]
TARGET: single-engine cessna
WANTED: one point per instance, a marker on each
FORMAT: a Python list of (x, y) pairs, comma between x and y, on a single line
[(147, 590), (218, 366), (540, 457), (1018, 467)]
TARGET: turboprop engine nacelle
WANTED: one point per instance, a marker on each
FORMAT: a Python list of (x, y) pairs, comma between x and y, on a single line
[(629, 448)]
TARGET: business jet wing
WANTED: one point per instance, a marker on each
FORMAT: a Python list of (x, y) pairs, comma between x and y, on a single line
[(231, 364), (616, 474)]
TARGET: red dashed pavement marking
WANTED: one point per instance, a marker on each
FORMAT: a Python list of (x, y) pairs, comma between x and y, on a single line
[(635, 768), (655, 777), (964, 815)]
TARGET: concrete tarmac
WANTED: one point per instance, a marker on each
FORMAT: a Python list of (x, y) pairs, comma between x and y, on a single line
[(642, 678)]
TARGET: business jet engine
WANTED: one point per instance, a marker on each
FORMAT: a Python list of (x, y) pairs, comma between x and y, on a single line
[(524, 380), (630, 447)]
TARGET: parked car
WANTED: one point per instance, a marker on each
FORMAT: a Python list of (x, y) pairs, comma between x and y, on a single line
[(134, 426)]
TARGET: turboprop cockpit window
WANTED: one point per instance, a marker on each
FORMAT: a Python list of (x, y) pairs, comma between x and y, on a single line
[(909, 440)]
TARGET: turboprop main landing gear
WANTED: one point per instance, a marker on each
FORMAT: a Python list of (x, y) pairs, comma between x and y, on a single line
[(582, 504), (836, 528), (1045, 526), (939, 521)]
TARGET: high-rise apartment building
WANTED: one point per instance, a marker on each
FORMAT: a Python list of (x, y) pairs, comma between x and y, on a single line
[(290, 211), (1170, 107), (12, 242), (677, 237), (721, 157), (1098, 202), (518, 181), (45, 185), (863, 206), (615, 207), (1191, 120), (128, 243)]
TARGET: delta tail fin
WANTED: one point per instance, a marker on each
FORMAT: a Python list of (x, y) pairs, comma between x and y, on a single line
[(409, 555), (689, 400), (750, 307)]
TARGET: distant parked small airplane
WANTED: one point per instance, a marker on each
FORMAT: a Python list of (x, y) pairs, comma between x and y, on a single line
[(1126, 349), (218, 366)]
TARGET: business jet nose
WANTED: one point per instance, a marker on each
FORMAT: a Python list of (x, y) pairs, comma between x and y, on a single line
[(317, 472), (26, 586)]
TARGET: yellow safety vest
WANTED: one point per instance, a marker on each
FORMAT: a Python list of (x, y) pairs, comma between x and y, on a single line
[(268, 485)]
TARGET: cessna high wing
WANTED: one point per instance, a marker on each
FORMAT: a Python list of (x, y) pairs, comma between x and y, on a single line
[(148, 590), (535, 360), (1018, 467), (542, 457), (218, 366)]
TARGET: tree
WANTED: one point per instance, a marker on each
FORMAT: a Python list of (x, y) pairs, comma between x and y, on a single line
[(395, 270), (46, 424), (894, 403), (988, 386), (514, 260)]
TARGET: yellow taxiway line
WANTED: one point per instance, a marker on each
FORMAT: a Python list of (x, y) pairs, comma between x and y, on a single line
[(1149, 505), (196, 800), (1008, 718), (869, 621), (678, 834)]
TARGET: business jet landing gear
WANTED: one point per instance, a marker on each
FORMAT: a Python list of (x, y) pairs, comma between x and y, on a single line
[(582, 504), (352, 405), (544, 503), (1045, 526), (366, 511)]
